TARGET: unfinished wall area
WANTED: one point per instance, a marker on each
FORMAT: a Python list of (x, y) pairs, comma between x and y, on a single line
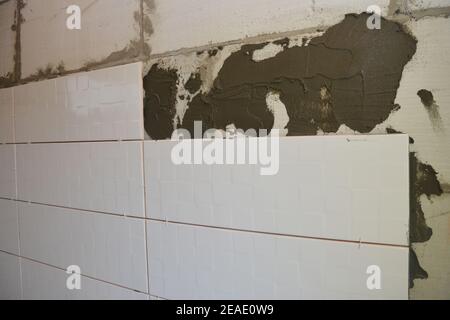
[(289, 63), (267, 82), (38, 44)]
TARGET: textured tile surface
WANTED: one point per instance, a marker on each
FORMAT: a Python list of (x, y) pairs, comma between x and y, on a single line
[(98, 105), (9, 227), (202, 263), (9, 277), (7, 172), (42, 282), (6, 116), (105, 247), (104, 177), (329, 187)]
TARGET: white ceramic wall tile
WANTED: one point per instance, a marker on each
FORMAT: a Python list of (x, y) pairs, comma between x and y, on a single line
[(105, 247), (9, 226), (97, 176), (42, 282), (6, 116), (104, 104), (9, 277), (107, 26), (329, 187), (189, 262), (7, 172)]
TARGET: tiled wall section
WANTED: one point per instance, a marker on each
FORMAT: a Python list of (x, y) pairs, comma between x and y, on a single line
[(189, 262), (7, 172), (105, 247), (98, 105), (44, 282), (101, 176), (82, 203), (6, 116), (319, 190), (10, 285), (79, 147), (9, 226)]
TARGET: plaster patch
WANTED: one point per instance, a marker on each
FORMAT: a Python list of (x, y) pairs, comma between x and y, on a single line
[(281, 117), (269, 51)]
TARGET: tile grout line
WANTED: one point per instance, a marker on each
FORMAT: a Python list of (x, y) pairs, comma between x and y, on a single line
[(74, 141), (17, 192), (278, 234), (86, 211), (350, 137), (147, 219)]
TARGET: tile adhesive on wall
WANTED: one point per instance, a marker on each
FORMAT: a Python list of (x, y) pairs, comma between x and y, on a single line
[(327, 81), (305, 68)]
